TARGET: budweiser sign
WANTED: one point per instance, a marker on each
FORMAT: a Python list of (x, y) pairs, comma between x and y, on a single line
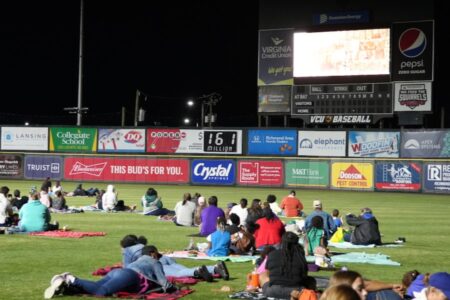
[(95, 169)]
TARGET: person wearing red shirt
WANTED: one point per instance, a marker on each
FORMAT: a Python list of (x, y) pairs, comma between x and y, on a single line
[(291, 206), (270, 230)]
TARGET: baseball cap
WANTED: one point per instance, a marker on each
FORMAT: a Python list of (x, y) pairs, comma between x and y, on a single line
[(231, 204), (441, 280), (201, 200), (317, 204), (366, 210)]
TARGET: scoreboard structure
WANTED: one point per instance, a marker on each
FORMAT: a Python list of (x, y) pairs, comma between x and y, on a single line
[(369, 100), (346, 74)]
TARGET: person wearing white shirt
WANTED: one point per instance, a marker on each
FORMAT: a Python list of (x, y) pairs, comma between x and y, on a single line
[(240, 210), (184, 211), (109, 198)]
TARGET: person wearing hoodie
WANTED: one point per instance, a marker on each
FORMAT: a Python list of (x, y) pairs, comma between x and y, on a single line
[(365, 230), (109, 198), (153, 205)]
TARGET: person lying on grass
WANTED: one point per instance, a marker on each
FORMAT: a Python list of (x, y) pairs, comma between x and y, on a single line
[(132, 249), (141, 276)]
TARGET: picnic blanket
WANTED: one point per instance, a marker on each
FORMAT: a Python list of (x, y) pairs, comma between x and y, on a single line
[(156, 296), (348, 245), (67, 234), (360, 258), (201, 255)]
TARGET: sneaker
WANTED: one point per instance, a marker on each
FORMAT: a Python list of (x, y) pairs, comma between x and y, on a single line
[(222, 270), (203, 273), (55, 286)]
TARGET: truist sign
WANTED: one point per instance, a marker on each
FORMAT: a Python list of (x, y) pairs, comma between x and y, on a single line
[(38, 167)]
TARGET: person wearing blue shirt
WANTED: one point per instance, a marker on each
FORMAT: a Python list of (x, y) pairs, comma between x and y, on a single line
[(219, 241), (328, 224)]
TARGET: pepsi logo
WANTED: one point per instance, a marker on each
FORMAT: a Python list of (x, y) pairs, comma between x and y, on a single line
[(412, 42)]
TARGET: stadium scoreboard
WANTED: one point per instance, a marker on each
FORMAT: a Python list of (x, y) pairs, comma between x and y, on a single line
[(341, 99)]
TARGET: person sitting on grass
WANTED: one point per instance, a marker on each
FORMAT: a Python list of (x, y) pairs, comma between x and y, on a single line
[(365, 231), (287, 270), (132, 250), (109, 198), (315, 238), (201, 205), (17, 200), (219, 241), (35, 216), (153, 205), (184, 211), (270, 230), (59, 202), (6, 211), (209, 216), (141, 276)]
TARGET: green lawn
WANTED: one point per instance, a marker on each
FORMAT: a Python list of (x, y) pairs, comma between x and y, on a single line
[(28, 263)]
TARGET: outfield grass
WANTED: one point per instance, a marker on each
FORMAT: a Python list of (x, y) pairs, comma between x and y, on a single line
[(28, 263)]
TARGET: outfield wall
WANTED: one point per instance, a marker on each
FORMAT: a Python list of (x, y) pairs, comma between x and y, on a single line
[(426, 176), (371, 160)]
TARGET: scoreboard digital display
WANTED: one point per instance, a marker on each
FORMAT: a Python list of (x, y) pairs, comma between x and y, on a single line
[(342, 99)]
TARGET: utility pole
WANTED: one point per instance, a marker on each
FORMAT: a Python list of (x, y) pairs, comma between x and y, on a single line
[(80, 67), (136, 108)]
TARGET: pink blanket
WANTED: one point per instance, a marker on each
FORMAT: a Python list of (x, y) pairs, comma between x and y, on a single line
[(67, 234)]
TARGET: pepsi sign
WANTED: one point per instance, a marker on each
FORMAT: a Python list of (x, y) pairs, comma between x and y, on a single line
[(412, 53), (217, 172)]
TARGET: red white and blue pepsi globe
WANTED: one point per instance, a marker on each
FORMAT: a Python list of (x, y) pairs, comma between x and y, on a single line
[(412, 42)]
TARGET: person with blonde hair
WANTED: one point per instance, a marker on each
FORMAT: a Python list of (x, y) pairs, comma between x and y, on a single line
[(340, 292)]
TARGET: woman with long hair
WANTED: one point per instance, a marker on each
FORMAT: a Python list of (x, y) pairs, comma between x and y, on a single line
[(184, 211), (219, 241), (270, 230), (287, 269)]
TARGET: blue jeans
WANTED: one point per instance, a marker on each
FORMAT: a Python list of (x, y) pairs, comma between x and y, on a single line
[(160, 212), (383, 295), (171, 268), (124, 280)]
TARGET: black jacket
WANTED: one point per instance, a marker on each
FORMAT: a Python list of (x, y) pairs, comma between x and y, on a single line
[(366, 230)]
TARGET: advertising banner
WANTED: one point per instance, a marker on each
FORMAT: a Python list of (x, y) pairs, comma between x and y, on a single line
[(24, 138), (11, 166), (352, 175), (121, 140), (274, 99), (432, 143), (302, 173), (216, 172), (272, 142), (342, 17), (437, 177), (398, 176), (412, 96), (373, 144), (412, 51), (126, 169), (73, 139), (322, 143), (275, 57), (213, 141), (39, 167), (260, 172)]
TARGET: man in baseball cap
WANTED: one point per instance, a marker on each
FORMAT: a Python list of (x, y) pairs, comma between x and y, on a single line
[(328, 224)]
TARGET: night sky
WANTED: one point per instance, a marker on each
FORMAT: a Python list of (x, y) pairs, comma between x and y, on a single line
[(168, 50)]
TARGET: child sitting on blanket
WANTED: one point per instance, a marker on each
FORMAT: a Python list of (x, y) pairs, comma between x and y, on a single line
[(338, 221), (315, 241), (219, 241)]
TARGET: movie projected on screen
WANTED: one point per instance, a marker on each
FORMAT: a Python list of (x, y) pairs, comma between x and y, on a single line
[(342, 53)]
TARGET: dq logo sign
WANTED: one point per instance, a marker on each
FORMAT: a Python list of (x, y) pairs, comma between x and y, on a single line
[(412, 42)]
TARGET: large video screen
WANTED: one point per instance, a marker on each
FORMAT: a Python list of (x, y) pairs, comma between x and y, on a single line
[(361, 52)]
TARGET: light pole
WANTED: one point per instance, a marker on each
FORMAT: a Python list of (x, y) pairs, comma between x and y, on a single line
[(209, 100)]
